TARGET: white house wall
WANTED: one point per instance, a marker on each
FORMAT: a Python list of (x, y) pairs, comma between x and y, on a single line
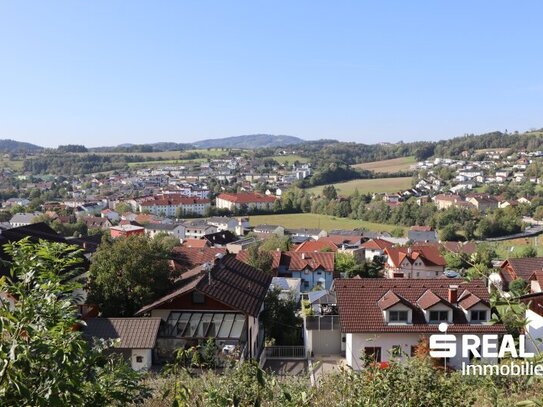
[(146, 359)]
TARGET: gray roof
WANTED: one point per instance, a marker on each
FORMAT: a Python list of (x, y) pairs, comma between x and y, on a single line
[(134, 333), (24, 217), (161, 226)]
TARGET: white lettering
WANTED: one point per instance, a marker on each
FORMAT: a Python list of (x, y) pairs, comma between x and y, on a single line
[(442, 346), (507, 345), (522, 348), (470, 343), (490, 346)]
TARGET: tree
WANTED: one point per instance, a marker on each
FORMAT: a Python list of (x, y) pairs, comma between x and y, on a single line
[(344, 263), (448, 233), (258, 258), (128, 273), (45, 361), (123, 207), (280, 319), (276, 242), (329, 192)]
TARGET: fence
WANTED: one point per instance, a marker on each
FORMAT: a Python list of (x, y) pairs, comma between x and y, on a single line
[(285, 352)]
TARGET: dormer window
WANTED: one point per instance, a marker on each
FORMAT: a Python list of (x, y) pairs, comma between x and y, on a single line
[(439, 316), (398, 316), (478, 316)]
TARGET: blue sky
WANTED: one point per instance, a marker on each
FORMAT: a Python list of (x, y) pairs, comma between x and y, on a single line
[(111, 72)]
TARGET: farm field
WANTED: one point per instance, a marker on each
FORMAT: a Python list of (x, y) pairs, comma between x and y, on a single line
[(364, 186), (15, 165), (388, 166), (310, 220)]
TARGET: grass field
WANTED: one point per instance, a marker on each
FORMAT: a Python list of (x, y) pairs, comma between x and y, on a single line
[(365, 186), (166, 162), (15, 165), (310, 220), (505, 248), (282, 159), (388, 166)]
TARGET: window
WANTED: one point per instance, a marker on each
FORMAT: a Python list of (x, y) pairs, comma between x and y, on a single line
[(372, 354), (139, 359), (198, 297), (439, 316), (396, 351), (478, 316), (397, 316), (414, 350)]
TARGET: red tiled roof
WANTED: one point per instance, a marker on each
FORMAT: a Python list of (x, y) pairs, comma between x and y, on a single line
[(197, 243), (421, 228), (537, 276), (377, 244), (299, 260), (359, 310), (428, 254), (247, 197), (316, 246), (459, 247), (388, 300)]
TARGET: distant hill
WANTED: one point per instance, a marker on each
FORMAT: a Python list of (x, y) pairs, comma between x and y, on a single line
[(12, 146), (249, 141), (143, 148)]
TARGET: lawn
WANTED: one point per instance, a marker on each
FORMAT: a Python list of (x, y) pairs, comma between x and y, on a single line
[(310, 220), (365, 186), (388, 166)]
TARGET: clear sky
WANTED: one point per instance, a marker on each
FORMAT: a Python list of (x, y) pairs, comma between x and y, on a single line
[(111, 72)]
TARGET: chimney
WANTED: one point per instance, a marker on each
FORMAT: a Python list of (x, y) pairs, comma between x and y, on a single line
[(453, 294), (409, 250), (303, 256)]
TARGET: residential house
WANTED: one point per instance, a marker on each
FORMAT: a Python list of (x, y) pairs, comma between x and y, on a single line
[(523, 268), (315, 269), (483, 202), (175, 206), (444, 201), (188, 256), (266, 231), (290, 288), (136, 337), (176, 230), (241, 244), (414, 262), (198, 228), (244, 201), (422, 234), (397, 313), (126, 230), (220, 238), (96, 222), (110, 214), (375, 247), (304, 234), (316, 246), (23, 219), (223, 301)]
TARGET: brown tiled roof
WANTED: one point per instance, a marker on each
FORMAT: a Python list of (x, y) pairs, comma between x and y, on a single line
[(338, 240), (190, 257), (459, 247), (521, 268), (421, 228), (134, 333), (388, 300), (429, 299), (195, 243), (537, 276), (316, 246), (232, 282), (468, 300), (377, 244), (359, 310)]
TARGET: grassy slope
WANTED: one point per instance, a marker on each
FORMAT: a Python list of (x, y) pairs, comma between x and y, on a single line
[(310, 220), (388, 166), (369, 185)]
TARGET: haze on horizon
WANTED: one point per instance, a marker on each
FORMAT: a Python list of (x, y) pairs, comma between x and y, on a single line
[(105, 73)]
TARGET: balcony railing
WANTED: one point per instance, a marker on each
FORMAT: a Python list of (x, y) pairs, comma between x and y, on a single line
[(285, 352), (322, 323)]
